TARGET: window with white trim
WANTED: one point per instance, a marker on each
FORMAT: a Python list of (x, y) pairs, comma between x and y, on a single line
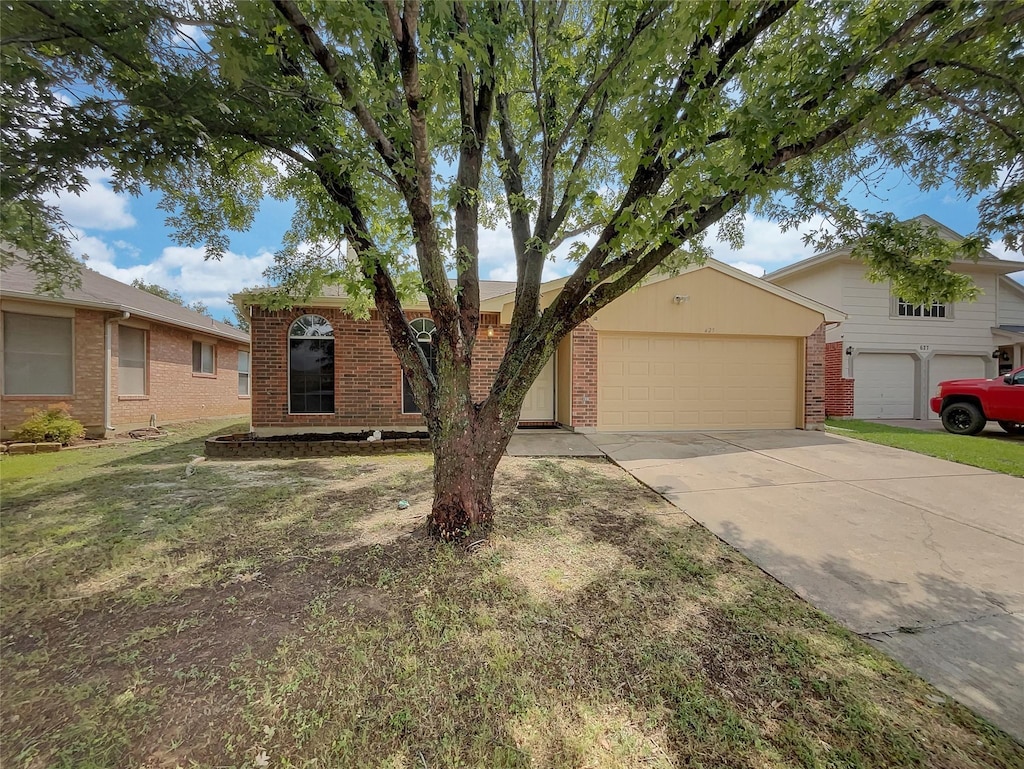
[(204, 358), (905, 309), (311, 366), (131, 361), (426, 338), (243, 372), (38, 355)]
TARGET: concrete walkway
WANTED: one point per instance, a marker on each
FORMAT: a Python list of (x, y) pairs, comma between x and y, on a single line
[(551, 443), (922, 557)]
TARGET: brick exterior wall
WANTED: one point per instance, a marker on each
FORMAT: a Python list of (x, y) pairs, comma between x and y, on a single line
[(814, 379), (174, 393), (584, 376), (86, 404), (367, 376), (838, 391)]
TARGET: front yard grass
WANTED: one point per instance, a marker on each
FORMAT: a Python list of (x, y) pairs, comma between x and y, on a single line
[(286, 614), (1002, 454)]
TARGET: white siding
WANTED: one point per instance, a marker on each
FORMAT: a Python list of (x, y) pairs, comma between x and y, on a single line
[(870, 329), (1011, 306), (821, 286), (870, 324)]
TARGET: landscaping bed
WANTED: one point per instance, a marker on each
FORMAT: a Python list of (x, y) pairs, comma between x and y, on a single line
[(249, 446), (286, 614)]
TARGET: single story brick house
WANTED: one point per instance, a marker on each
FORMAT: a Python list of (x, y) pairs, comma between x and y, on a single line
[(710, 348), (119, 357)]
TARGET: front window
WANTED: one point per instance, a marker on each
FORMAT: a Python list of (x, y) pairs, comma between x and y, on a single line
[(425, 331), (243, 372), (905, 309), (311, 366), (38, 357), (203, 358), (131, 361)]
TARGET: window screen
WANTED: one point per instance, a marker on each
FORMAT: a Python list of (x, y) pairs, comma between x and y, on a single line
[(131, 361), (38, 356), (243, 372), (202, 358)]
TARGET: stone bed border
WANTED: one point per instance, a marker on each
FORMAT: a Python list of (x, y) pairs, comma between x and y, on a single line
[(230, 447)]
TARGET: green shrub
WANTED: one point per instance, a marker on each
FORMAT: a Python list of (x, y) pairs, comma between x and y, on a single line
[(54, 424)]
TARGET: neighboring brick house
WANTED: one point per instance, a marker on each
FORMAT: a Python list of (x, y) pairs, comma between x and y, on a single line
[(117, 356), (710, 348), (887, 358)]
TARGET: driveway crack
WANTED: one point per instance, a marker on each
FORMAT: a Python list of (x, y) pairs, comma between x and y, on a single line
[(879, 635)]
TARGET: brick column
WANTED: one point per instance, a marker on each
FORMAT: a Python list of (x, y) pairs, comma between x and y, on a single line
[(584, 377), (838, 390), (814, 379)]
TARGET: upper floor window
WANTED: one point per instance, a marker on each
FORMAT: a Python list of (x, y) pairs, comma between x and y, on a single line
[(311, 366), (38, 357), (904, 309), (425, 331)]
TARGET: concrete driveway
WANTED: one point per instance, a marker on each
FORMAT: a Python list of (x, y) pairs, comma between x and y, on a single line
[(923, 557)]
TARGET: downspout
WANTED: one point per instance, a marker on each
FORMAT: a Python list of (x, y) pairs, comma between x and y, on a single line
[(108, 342)]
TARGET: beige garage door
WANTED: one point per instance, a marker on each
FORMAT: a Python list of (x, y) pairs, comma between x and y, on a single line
[(675, 382)]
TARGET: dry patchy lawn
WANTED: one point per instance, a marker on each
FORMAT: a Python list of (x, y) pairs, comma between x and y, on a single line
[(286, 614)]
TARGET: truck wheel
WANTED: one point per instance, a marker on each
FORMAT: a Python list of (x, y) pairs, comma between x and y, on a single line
[(963, 419), (1013, 428)]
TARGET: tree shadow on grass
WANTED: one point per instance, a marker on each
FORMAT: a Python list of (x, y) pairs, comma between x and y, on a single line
[(182, 442), (679, 653), (968, 641)]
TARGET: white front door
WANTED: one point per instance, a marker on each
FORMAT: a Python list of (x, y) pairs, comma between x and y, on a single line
[(539, 405)]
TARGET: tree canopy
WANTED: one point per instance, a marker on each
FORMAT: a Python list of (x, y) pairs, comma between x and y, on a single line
[(403, 128), (171, 296)]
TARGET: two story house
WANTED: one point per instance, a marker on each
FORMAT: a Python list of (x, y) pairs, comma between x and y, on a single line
[(885, 360)]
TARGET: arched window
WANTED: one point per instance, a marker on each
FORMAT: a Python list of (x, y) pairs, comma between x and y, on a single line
[(311, 366), (426, 336)]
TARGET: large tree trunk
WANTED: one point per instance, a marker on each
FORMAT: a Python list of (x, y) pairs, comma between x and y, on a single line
[(466, 454)]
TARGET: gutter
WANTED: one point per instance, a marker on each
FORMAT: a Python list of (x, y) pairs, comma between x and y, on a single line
[(107, 341)]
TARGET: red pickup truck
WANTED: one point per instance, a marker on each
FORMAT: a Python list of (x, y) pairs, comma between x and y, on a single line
[(965, 405)]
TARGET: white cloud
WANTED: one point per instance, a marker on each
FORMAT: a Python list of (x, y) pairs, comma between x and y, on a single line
[(505, 272), (181, 269), (98, 207), (999, 249), (88, 247)]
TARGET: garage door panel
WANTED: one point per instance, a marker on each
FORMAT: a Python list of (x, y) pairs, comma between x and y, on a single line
[(942, 367), (884, 385), (673, 382)]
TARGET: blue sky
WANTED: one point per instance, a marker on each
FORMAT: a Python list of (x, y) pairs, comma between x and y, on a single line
[(127, 238)]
